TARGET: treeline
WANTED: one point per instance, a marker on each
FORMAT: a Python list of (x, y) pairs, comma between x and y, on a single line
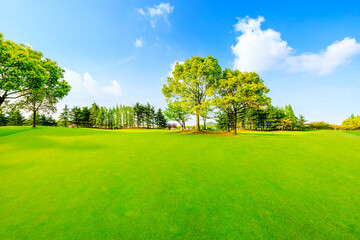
[(117, 117), (14, 117), (268, 118)]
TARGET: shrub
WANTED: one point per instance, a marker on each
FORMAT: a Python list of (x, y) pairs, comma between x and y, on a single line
[(320, 126)]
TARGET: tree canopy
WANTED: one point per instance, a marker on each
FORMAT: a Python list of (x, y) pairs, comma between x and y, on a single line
[(190, 84)]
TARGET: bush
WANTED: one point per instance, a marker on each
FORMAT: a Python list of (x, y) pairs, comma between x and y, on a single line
[(320, 126), (210, 127)]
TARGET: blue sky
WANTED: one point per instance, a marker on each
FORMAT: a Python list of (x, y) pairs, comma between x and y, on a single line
[(121, 51)]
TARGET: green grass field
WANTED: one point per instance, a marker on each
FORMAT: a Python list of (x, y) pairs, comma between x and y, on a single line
[(60, 183)]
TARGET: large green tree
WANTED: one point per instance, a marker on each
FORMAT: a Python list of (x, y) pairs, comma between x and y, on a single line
[(191, 82), (22, 70), (237, 91), (45, 98)]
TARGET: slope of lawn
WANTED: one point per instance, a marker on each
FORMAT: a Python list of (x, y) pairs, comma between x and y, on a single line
[(60, 183)]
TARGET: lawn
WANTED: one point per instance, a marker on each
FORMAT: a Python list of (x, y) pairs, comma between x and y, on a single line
[(60, 183)]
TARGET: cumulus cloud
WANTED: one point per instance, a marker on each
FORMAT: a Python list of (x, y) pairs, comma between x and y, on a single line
[(160, 11), (87, 85), (138, 42), (260, 50)]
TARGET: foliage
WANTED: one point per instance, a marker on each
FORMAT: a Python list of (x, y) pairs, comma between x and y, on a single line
[(15, 118), (190, 84), (320, 126), (160, 119), (24, 71), (65, 116), (175, 112), (352, 122), (236, 91)]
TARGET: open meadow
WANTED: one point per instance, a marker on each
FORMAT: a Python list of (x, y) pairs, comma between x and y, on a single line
[(61, 183)]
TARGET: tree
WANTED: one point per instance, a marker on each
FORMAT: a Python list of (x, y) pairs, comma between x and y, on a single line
[(22, 70), (160, 119), (290, 115), (139, 112), (236, 91), (100, 120), (224, 120), (190, 84), (301, 122), (65, 116), (75, 115), (15, 118), (149, 114), (176, 112), (93, 114), (3, 119), (206, 112)]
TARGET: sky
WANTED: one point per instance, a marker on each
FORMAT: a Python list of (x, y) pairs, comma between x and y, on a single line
[(120, 52)]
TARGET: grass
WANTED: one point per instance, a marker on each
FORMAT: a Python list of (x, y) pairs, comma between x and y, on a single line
[(60, 183)]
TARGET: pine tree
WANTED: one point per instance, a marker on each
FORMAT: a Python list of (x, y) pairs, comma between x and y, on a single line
[(93, 114), (15, 118), (65, 116), (160, 119)]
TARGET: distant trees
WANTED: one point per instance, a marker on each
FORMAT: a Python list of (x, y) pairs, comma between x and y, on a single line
[(117, 117), (15, 118), (320, 126), (267, 118)]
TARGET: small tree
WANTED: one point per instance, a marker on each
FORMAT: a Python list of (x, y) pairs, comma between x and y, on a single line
[(301, 122), (160, 119), (93, 114), (177, 113), (65, 116)]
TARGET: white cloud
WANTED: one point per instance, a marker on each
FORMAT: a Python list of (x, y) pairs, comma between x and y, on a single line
[(160, 11), (138, 42), (260, 50), (87, 85)]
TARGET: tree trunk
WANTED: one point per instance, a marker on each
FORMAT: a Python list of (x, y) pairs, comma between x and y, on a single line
[(204, 123), (197, 128), (228, 122), (235, 120), (34, 119), (2, 100)]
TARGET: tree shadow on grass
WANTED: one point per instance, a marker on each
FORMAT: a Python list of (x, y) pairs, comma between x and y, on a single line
[(7, 132)]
